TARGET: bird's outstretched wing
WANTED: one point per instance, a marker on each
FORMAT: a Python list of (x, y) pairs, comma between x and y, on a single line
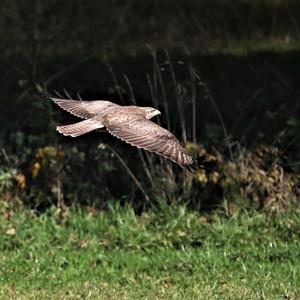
[(84, 109), (143, 133)]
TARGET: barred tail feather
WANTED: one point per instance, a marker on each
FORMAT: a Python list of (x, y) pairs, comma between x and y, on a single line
[(79, 128)]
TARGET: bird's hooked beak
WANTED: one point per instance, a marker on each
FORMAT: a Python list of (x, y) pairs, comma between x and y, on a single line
[(157, 112), (153, 112)]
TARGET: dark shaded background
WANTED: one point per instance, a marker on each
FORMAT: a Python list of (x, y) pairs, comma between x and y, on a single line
[(245, 55)]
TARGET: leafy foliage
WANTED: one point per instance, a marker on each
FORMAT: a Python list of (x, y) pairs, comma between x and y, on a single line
[(52, 174)]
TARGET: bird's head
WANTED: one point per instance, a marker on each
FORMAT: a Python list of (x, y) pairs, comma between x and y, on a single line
[(151, 112)]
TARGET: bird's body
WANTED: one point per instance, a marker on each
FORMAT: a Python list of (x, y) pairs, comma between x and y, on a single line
[(129, 123)]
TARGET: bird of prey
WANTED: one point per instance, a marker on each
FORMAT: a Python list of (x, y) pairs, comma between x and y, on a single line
[(131, 124)]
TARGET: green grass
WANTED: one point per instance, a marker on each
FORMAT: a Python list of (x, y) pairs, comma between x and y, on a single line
[(172, 253)]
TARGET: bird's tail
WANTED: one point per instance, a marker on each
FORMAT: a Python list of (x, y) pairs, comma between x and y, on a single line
[(79, 128)]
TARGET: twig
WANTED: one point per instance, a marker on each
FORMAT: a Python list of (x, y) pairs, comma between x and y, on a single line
[(194, 91), (288, 146), (279, 135), (177, 97), (162, 87), (258, 92), (58, 74), (154, 98), (211, 98), (5, 155), (135, 180), (115, 80), (129, 85)]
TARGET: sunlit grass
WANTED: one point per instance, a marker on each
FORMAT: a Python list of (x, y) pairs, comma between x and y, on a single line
[(166, 254), (253, 44)]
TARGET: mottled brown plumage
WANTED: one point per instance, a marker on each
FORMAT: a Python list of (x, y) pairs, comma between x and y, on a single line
[(131, 124)]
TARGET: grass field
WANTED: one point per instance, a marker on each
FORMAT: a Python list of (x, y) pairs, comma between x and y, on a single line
[(171, 253)]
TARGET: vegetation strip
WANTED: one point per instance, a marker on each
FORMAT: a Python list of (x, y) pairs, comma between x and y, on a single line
[(173, 252)]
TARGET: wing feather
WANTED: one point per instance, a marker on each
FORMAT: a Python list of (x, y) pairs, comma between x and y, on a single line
[(143, 133), (167, 149), (84, 109)]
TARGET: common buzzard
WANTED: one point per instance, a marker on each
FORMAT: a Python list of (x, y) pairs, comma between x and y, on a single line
[(131, 124)]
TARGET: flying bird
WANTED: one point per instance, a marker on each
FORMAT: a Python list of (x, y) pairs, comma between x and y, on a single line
[(131, 124)]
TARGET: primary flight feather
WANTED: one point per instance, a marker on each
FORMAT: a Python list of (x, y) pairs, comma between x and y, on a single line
[(131, 124)]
